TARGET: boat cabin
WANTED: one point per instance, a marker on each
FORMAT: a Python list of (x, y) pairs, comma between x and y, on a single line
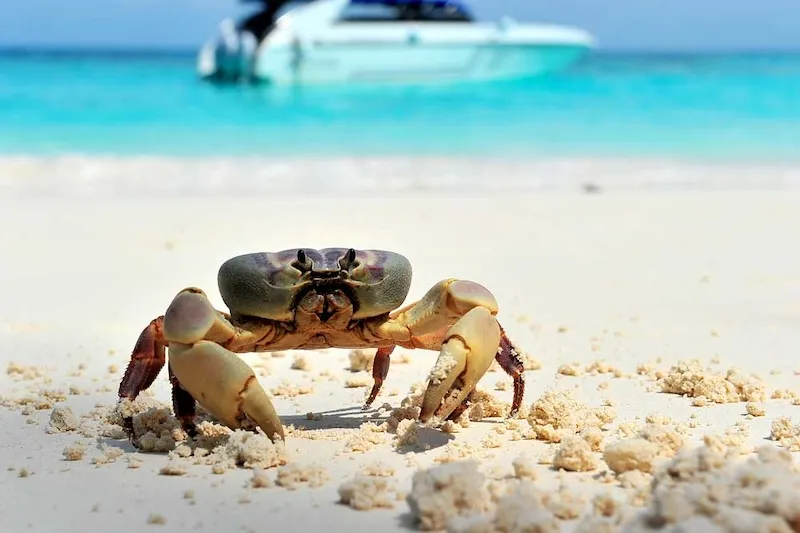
[(405, 10), (362, 11)]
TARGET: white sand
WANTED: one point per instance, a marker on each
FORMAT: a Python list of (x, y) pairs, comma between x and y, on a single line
[(626, 277)]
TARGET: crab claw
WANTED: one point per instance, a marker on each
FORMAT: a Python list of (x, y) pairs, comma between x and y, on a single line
[(225, 385), (469, 348), (217, 378)]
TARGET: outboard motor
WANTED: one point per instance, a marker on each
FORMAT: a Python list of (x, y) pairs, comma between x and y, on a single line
[(234, 53)]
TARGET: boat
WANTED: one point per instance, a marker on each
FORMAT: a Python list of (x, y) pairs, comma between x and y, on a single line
[(344, 41)]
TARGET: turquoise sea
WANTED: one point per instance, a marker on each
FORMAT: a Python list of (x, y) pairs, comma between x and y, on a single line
[(609, 105)]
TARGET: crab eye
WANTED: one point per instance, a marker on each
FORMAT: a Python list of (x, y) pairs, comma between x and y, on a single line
[(347, 259), (302, 262)]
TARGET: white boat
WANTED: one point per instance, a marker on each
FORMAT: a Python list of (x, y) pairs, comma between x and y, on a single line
[(335, 41)]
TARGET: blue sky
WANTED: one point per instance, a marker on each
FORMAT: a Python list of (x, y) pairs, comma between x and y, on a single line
[(619, 24)]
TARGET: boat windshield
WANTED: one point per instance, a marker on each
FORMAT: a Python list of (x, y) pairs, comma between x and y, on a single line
[(405, 10)]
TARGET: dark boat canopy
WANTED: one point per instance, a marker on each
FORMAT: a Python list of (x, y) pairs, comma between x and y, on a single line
[(261, 23), (455, 4), (432, 3), (452, 6)]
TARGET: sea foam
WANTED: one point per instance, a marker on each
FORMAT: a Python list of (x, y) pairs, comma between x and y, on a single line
[(134, 176)]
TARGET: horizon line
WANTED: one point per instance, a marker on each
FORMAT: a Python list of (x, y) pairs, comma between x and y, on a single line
[(55, 49)]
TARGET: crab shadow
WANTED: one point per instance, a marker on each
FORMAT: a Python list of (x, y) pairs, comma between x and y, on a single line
[(341, 418), (347, 418), (123, 444), (353, 417), (407, 520)]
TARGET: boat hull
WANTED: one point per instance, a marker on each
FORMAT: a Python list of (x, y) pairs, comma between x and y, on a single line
[(332, 62)]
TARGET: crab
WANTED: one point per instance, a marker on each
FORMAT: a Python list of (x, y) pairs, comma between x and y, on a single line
[(307, 299)]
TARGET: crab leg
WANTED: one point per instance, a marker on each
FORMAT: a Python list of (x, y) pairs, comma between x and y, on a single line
[(147, 360), (511, 362), (380, 369), (183, 404), (456, 317), (216, 377)]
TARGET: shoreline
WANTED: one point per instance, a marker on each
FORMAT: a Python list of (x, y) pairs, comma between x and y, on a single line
[(148, 176)]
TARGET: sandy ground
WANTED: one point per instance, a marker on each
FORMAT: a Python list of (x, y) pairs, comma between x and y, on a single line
[(639, 281)]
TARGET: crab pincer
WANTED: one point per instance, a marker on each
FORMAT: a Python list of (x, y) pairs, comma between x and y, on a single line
[(457, 318), (217, 378), (468, 350)]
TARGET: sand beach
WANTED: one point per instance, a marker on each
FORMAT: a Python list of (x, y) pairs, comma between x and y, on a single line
[(657, 304)]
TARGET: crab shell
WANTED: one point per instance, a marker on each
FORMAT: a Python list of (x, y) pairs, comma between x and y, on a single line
[(268, 284)]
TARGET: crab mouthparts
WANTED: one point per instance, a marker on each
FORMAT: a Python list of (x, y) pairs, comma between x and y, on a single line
[(326, 304)]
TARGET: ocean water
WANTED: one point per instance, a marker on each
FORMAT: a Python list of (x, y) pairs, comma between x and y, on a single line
[(608, 105)]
